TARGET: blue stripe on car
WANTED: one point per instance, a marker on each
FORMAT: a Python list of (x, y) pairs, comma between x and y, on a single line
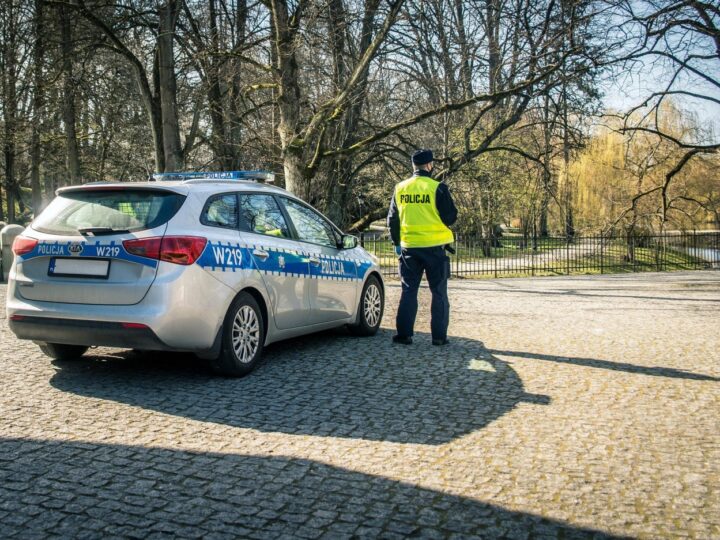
[(226, 256), (79, 250)]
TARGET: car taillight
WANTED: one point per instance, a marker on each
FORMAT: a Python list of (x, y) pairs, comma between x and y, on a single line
[(22, 245), (181, 249), (175, 249), (144, 247)]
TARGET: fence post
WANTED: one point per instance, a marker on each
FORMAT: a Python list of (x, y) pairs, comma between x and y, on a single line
[(457, 256), (494, 262), (362, 239), (567, 254), (634, 258), (602, 255), (532, 262)]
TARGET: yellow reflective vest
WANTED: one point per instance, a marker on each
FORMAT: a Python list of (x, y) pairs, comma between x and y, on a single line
[(420, 223)]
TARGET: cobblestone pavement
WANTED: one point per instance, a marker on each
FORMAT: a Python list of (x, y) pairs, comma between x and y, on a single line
[(564, 407)]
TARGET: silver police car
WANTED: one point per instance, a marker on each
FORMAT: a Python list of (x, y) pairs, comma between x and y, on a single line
[(219, 264)]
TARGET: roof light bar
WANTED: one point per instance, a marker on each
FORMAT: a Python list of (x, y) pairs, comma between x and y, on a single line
[(258, 176)]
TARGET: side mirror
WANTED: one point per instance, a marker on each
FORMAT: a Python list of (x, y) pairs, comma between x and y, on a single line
[(349, 241)]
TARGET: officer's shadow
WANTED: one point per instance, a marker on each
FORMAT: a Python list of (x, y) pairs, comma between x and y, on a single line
[(327, 384)]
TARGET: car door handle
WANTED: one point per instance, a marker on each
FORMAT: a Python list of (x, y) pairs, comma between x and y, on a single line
[(260, 254), (314, 260)]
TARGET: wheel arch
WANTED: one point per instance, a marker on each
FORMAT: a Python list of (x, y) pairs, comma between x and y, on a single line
[(366, 277), (358, 327), (260, 299), (379, 278)]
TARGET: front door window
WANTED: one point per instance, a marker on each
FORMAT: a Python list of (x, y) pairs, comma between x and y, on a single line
[(310, 226)]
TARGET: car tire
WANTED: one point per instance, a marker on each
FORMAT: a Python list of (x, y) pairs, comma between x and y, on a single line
[(242, 338), (58, 351), (370, 309)]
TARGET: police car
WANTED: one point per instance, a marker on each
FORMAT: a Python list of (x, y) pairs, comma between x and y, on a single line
[(219, 264)]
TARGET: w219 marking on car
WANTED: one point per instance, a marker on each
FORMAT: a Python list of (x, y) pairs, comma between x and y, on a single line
[(227, 256), (108, 251), (219, 264)]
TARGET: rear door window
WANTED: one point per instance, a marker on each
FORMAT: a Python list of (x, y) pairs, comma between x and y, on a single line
[(261, 214), (221, 211), (108, 211)]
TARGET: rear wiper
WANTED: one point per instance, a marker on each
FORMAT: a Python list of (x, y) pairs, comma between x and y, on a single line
[(97, 231)]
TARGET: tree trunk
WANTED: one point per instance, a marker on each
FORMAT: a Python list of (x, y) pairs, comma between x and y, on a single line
[(546, 175), (569, 219), (9, 83), (154, 111), (293, 166), (492, 27), (285, 70), (9, 151), (38, 106), (172, 148), (340, 178), (235, 118), (465, 71), (72, 156), (339, 190), (222, 151)]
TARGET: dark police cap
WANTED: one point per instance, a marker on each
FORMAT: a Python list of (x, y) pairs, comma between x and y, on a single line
[(421, 157)]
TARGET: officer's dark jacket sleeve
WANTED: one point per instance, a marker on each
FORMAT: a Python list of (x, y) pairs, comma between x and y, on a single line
[(445, 205), (393, 221)]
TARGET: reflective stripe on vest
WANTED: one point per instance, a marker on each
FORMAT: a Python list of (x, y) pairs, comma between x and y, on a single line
[(420, 223)]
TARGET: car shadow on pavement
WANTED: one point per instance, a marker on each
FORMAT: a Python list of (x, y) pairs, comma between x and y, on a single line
[(80, 489), (653, 371), (328, 384)]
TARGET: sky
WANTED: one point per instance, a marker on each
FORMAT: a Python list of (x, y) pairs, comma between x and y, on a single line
[(624, 90), (623, 96)]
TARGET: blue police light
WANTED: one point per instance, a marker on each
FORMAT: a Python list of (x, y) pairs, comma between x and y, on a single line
[(258, 176)]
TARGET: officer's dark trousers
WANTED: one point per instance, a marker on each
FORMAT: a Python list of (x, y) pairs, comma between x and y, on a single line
[(436, 265)]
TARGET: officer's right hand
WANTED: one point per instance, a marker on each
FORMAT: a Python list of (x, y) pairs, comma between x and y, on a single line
[(398, 250)]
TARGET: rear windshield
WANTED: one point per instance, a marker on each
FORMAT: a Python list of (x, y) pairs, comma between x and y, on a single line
[(108, 211)]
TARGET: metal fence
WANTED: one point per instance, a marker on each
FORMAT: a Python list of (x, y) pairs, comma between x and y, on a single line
[(511, 256)]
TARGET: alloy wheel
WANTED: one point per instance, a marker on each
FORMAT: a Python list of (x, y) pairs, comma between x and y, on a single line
[(372, 305), (245, 334)]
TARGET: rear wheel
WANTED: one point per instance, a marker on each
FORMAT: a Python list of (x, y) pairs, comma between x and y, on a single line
[(370, 309), (58, 351), (242, 339)]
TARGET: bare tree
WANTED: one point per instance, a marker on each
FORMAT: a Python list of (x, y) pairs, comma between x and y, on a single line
[(72, 159), (681, 40)]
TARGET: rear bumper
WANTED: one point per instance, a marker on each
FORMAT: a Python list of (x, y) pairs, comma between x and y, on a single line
[(79, 332), (183, 310)]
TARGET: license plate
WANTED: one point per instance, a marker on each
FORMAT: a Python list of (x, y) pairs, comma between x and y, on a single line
[(92, 268)]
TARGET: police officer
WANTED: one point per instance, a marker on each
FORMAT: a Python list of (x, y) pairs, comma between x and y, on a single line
[(420, 213)]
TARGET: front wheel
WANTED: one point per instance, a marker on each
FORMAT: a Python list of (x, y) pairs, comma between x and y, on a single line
[(58, 351), (370, 309), (242, 339)]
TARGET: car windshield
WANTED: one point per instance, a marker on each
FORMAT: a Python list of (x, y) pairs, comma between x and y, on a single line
[(104, 211)]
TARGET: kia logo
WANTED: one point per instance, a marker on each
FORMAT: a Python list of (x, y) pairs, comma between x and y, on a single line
[(75, 249)]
